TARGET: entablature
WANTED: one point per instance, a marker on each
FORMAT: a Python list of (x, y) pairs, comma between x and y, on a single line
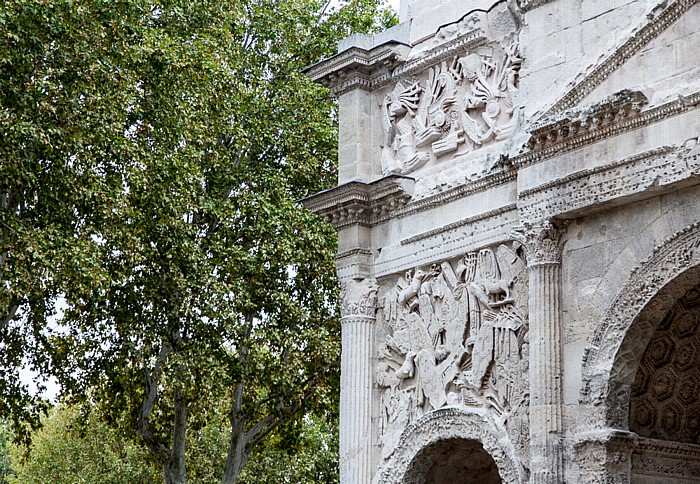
[(359, 203), (358, 67)]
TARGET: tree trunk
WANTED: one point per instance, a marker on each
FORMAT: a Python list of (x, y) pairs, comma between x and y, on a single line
[(236, 456), (174, 470)]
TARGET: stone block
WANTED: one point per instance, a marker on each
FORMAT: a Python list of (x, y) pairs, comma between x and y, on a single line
[(529, 220)]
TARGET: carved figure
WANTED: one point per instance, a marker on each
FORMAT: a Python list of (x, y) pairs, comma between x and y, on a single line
[(456, 336), (464, 101), (399, 154), (487, 106), (439, 125)]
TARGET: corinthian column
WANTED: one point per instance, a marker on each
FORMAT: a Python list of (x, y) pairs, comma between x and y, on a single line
[(544, 248), (358, 314)]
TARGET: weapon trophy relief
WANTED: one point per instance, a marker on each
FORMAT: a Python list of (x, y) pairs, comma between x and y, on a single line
[(462, 105), (455, 334)]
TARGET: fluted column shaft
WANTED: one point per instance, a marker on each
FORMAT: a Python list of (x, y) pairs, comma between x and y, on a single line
[(545, 373), (356, 400), (358, 310), (544, 251)]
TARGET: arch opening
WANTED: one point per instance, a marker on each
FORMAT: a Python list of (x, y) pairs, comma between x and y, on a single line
[(455, 460)]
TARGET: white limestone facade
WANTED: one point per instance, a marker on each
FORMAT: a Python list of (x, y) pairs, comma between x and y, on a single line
[(518, 217)]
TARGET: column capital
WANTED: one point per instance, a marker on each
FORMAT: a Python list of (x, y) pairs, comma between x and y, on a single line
[(544, 242), (358, 298)]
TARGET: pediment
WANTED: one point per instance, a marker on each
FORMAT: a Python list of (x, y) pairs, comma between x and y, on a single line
[(660, 58)]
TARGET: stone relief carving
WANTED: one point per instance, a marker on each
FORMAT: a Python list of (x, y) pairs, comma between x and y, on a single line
[(464, 103), (358, 297), (544, 242), (604, 460), (662, 458), (674, 267), (399, 154), (448, 423), (456, 335)]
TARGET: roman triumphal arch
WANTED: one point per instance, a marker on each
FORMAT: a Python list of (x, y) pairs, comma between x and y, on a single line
[(518, 210)]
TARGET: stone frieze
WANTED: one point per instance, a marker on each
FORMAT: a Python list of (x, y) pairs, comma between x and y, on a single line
[(455, 334)]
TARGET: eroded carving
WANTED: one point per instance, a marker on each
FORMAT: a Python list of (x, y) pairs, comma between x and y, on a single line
[(605, 459), (464, 103), (456, 336), (445, 424), (358, 297)]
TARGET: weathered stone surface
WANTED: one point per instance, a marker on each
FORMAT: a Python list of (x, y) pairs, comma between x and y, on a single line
[(518, 213)]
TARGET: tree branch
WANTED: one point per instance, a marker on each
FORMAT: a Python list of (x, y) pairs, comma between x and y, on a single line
[(149, 401), (266, 425)]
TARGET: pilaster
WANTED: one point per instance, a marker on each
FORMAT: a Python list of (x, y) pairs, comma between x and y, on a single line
[(354, 133), (353, 75), (544, 249), (358, 309)]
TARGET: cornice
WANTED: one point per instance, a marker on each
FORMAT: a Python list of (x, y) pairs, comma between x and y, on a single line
[(358, 67), (655, 25), (372, 69), (618, 114), (360, 203), (361, 251)]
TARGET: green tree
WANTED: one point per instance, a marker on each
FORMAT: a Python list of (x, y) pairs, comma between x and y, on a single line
[(152, 152), (311, 459), (5, 441), (75, 446), (70, 449)]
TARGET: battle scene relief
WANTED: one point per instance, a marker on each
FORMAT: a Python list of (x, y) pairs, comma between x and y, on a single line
[(455, 334), (455, 107)]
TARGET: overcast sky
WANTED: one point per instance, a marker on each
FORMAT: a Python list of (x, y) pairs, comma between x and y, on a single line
[(394, 3)]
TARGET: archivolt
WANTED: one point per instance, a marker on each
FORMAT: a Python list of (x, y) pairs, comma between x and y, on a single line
[(452, 423), (610, 364)]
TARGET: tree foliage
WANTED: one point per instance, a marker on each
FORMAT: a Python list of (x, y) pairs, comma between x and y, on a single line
[(75, 446), (5, 441), (72, 449), (313, 458), (152, 152)]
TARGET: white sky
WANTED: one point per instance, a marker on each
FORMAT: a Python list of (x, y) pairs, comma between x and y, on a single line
[(394, 3)]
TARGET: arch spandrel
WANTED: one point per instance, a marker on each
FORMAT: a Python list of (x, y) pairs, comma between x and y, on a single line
[(448, 424), (611, 363)]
